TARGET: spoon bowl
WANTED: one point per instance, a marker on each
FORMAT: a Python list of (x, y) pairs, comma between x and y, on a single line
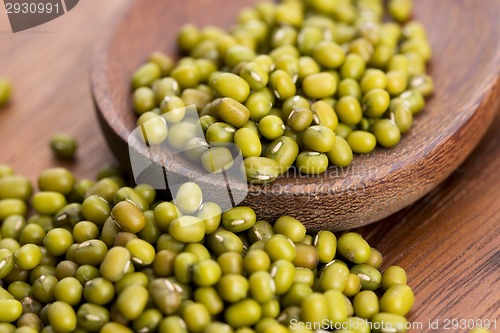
[(465, 66)]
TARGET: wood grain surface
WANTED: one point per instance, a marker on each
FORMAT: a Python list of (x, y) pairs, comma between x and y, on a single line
[(448, 241), (467, 75)]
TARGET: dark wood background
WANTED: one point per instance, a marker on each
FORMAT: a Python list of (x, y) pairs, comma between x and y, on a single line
[(448, 241)]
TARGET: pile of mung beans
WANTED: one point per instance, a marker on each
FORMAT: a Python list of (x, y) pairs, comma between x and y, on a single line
[(302, 83), (98, 256)]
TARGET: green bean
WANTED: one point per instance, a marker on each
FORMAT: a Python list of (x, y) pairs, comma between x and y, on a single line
[(15, 187), (57, 241), (261, 170), (341, 153), (233, 112), (224, 241), (206, 273), (397, 299), (199, 98), (66, 268), (362, 142), (387, 133), (293, 103), (18, 290), (189, 197), (128, 216), (196, 317), (5, 170), (141, 251), (353, 67), (280, 247), (283, 273), (291, 228), (354, 248), (116, 263), (165, 295), (69, 214), (307, 66), (349, 87), (259, 104), (86, 273), (186, 75), (319, 138), (282, 84), (334, 276), (256, 260), (329, 54), (209, 297), (113, 327), (143, 100), (271, 127), (414, 99), (164, 214), (7, 261), (300, 119), (63, 146), (401, 114), (315, 308), (248, 142), (326, 244), (337, 306), (307, 256), (28, 256), (69, 290), (5, 91), (296, 295), (217, 159), (238, 54), (393, 275), (146, 75), (132, 301), (233, 86), (312, 163), (382, 53), (230, 263), (48, 203), (13, 226), (92, 317), (353, 285), (366, 304), (320, 85), (362, 47), (389, 321), (29, 322), (376, 102), (233, 287), (284, 150), (11, 310), (370, 276), (244, 313), (422, 83), (187, 229), (255, 75), (98, 291), (56, 179), (397, 82)]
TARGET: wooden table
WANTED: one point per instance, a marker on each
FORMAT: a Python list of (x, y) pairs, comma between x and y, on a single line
[(448, 241)]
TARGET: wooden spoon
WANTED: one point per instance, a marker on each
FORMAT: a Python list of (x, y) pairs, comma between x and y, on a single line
[(465, 66)]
